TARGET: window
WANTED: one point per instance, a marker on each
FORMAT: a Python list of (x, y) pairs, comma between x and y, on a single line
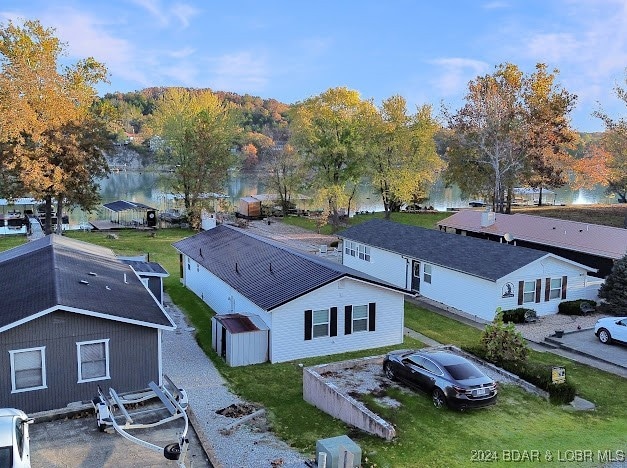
[(28, 369), (427, 273), (556, 288), (364, 252), (320, 323), (93, 360), (360, 318), (529, 292), (351, 248)]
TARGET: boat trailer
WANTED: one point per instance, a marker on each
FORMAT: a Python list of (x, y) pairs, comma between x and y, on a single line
[(174, 400)]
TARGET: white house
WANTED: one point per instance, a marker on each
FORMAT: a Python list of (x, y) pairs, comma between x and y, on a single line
[(472, 275), (309, 305)]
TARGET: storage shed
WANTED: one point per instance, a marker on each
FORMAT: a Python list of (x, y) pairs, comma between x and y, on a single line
[(249, 208), (240, 339)]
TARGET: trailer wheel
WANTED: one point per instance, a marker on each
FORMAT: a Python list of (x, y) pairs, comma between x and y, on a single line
[(172, 451)]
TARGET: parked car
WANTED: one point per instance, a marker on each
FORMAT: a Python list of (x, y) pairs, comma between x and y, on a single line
[(14, 439), (610, 329), (450, 379)]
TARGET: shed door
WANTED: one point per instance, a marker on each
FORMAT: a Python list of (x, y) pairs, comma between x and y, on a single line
[(223, 344), (415, 276)]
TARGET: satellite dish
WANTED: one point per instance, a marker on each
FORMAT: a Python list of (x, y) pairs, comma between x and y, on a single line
[(508, 237)]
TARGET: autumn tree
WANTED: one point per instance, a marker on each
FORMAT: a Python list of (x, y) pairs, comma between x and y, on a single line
[(549, 136), (46, 126), (199, 132), (611, 152), (328, 131), (402, 156), (286, 175), (512, 129)]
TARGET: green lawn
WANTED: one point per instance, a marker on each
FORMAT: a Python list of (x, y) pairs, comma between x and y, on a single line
[(426, 437)]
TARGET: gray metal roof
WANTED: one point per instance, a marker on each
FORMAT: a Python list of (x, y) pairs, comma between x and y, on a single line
[(55, 272), (146, 268), (267, 273), (124, 205), (483, 258)]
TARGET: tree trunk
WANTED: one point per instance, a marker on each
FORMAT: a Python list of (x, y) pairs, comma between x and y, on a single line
[(540, 197), (48, 215), (60, 215)]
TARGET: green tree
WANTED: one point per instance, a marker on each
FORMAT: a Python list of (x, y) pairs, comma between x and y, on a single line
[(328, 131), (286, 175), (503, 343), (614, 288), (199, 132), (402, 155), (43, 114)]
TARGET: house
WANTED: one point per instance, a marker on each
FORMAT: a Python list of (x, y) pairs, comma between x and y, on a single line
[(590, 244), (306, 305), (473, 275), (73, 317), (150, 273)]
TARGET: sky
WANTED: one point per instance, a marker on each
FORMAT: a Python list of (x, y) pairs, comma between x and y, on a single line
[(425, 51)]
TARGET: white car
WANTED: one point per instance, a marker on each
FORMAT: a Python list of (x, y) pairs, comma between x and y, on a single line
[(610, 329), (14, 440)]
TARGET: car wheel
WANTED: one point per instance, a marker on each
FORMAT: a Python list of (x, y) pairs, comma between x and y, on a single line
[(389, 373), (439, 400), (172, 451), (604, 336)]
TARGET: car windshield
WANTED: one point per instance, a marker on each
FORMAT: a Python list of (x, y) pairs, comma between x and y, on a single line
[(463, 371), (6, 458)]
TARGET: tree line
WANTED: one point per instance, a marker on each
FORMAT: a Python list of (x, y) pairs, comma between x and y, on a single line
[(512, 130)]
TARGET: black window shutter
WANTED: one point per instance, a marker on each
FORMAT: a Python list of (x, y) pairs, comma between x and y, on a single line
[(333, 321), (308, 324), (538, 289), (564, 283), (547, 289), (521, 291), (372, 316), (348, 319)]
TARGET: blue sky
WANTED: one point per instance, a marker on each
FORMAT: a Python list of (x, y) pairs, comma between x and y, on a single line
[(426, 51)]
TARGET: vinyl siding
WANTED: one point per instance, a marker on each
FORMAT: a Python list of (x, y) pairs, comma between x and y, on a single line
[(387, 266), (287, 341), (133, 359)]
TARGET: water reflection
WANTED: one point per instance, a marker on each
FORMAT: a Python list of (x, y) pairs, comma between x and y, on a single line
[(148, 188)]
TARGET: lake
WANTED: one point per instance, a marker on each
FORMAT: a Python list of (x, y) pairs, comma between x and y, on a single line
[(146, 187)]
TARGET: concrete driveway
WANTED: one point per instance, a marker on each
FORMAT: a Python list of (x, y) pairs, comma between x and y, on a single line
[(585, 342)]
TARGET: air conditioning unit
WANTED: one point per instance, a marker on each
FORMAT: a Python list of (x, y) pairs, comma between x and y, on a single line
[(338, 452)]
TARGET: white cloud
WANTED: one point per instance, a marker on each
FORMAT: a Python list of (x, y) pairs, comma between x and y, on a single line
[(553, 47), (184, 13), (154, 8), (495, 5), (240, 71), (456, 73)]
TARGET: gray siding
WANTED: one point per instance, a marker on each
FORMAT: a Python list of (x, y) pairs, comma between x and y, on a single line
[(154, 284), (133, 359)]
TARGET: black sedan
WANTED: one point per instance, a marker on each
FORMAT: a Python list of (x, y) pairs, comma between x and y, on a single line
[(451, 380)]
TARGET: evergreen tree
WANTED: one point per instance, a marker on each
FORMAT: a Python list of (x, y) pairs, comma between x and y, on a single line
[(614, 289)]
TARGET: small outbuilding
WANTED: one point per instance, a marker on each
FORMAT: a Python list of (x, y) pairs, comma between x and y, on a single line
[(249, 208), (240, 339), (129, 213)]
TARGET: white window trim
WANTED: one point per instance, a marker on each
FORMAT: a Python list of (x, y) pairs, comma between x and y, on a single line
[(78, 360), (327, 323), (366, 318), (428, 274), (12, 353), (529, 292), (559, 290)]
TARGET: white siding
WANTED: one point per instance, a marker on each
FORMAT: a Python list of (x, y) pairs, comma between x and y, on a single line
[(387, 266), (287, 341)]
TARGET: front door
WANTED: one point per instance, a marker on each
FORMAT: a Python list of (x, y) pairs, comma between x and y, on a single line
[(415, 276)]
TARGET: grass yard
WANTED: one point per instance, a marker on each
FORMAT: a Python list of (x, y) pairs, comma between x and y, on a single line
[(426, 437)]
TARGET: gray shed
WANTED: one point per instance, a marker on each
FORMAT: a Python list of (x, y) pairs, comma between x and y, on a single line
[(240, 339)]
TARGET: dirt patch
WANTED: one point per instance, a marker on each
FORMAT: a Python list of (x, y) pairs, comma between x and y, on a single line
[(237, 410)]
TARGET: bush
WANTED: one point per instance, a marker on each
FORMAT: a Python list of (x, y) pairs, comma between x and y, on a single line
[(516, 315), (504, 343), (572, 307)]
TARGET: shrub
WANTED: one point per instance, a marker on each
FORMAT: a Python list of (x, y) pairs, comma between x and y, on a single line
[(503, 343), (516, 315), (572, 307)]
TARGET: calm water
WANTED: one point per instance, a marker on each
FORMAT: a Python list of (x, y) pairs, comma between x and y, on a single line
[(147, 188)]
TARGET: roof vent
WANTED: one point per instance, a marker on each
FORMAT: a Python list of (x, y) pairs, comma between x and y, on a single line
[(91, 273), (236, 268), (201, 253), (107, 288), (270, 267), (84, 282)]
